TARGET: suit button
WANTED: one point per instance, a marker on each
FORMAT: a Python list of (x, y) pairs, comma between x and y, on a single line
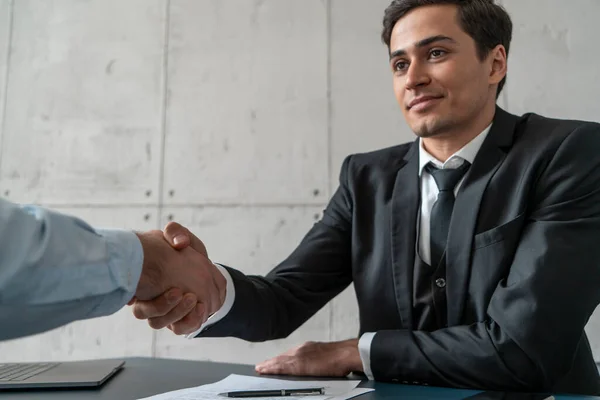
[(440, 282)]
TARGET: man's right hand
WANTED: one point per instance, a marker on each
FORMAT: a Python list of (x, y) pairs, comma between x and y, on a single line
[(167, 273)]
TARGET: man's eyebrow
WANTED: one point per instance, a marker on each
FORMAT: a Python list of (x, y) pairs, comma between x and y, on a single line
[(423, 43)]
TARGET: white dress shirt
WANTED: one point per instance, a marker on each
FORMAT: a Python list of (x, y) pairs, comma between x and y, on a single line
[(429, 193)]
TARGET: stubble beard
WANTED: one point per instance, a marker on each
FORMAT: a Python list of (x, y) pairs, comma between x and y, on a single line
[(432, 128)]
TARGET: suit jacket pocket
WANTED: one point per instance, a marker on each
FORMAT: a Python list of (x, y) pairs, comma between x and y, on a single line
[(498, 233)]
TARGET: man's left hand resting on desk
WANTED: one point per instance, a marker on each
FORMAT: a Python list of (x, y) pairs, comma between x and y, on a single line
[(316, 359)]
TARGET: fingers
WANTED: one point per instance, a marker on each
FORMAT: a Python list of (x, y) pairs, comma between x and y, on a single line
[(191, 322), (210, 304), (159, 306), (180, 237), (308, 359), (280, 365), (180, 311), (177, 236)]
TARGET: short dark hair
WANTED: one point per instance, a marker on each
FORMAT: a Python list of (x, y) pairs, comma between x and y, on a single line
[(486, 22)]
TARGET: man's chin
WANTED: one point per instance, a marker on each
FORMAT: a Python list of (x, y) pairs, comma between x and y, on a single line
[(427, 129)]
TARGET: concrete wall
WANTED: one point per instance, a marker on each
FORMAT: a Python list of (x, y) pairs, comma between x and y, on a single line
[(232, 117)]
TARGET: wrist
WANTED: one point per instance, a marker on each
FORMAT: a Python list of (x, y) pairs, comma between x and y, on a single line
[(350, 355), (151, 276)]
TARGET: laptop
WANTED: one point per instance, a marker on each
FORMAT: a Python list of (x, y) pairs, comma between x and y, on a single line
[(72, 374)]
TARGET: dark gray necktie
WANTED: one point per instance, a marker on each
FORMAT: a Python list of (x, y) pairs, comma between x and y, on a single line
[(446, 180)]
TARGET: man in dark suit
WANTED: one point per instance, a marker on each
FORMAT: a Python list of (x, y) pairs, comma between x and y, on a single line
[(474, 250)]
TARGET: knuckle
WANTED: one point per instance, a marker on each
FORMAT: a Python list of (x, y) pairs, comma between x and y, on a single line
[(176, 329), (303, 346), (303, 349), (188, 304), (138, 312), (155, 323), (182, 318), (182, 328), (155, 310), (170, 226), (188, 324), (293, 364)]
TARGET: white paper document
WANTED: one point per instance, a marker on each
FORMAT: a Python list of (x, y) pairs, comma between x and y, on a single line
[(334, 390)]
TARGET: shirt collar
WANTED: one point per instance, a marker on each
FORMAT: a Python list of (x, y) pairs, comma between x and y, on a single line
[(466, 153)]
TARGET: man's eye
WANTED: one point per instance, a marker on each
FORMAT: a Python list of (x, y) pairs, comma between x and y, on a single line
[(400, 66), (437, 53)]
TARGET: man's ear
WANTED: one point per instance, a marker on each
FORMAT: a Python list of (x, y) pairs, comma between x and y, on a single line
[(498, 64)]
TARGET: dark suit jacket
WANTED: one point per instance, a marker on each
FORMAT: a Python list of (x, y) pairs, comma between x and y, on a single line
[(523, 263)]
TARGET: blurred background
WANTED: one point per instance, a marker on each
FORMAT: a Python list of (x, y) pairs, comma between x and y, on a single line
[(231, 117)]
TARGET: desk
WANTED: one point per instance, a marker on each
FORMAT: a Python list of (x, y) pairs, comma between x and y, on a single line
[(144, 377)]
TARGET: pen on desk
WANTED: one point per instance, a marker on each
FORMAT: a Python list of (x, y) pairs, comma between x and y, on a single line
[(274, 393)]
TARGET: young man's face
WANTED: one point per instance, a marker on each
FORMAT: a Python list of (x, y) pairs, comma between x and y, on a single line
[(440, 83)]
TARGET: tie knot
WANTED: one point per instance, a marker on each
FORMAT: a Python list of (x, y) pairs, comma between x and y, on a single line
[(446, 179)]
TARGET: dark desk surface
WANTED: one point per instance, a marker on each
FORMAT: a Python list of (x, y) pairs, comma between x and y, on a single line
[(143, 377)]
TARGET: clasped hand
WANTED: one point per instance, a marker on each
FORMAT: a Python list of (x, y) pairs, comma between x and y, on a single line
[(179, 288)]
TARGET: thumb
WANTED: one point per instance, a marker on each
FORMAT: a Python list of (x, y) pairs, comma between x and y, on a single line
[(179, 237)]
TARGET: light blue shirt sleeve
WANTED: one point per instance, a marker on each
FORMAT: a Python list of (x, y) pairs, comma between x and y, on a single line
[(55, 269)]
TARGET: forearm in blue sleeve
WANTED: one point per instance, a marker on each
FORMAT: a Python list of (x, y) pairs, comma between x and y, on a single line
[(55, 269)]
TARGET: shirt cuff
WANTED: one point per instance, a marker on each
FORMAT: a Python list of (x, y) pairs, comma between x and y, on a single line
[(364, 348), (225, 308)]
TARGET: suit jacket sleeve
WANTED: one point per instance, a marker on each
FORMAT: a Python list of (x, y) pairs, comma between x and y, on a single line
[(536, 316), (275, 305)]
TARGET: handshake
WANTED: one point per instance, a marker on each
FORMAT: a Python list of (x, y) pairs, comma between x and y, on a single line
[(179, 288)]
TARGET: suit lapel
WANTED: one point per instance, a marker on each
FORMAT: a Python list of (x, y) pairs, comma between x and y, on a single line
[(405, 206), (466, 208)]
